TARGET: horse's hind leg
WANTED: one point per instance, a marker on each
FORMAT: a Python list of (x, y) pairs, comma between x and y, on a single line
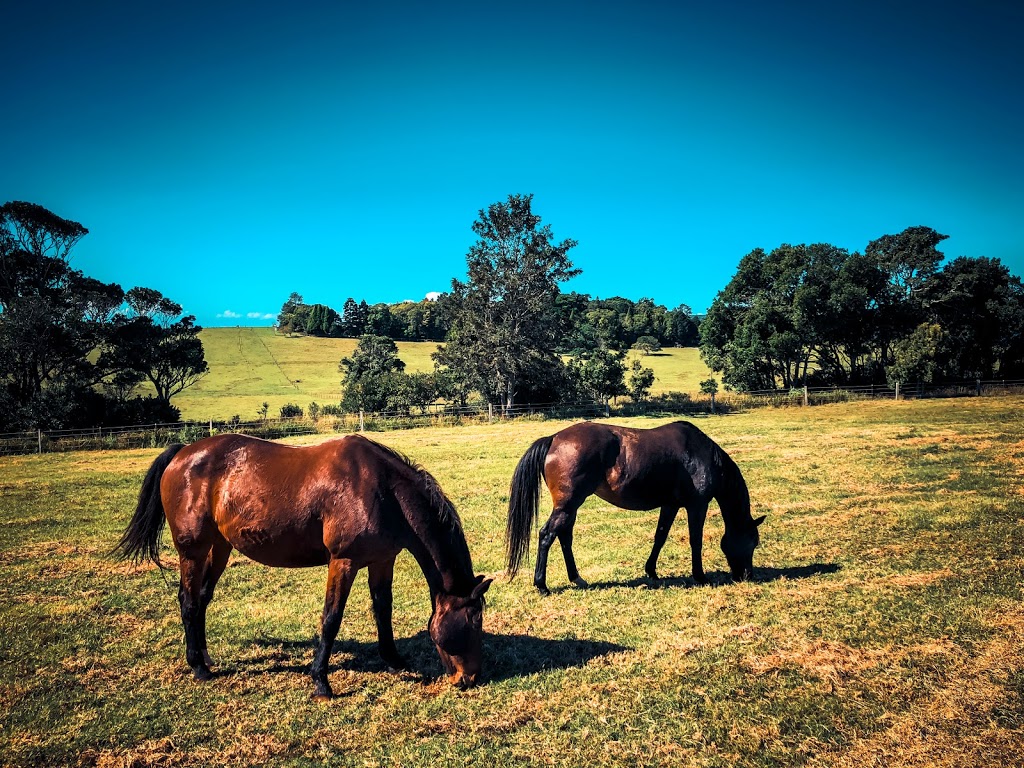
[(193, 571), (381, 576), (665, 520), (215, 565), (340, 575), (560, 526)]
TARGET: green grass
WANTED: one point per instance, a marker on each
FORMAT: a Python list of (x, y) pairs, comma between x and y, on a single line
[(888, 628), (250, 366)]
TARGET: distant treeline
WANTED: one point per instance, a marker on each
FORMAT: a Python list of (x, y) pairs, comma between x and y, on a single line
[(583, 322)]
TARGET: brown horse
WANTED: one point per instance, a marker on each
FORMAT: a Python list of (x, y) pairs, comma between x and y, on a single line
[(347, 504), (672, 466)]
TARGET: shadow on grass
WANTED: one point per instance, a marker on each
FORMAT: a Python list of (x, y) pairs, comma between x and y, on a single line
[(505, 656), (715, 578)]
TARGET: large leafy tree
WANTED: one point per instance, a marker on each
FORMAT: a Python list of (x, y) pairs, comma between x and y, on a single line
[(979, 306), (51, 318), (504, 325), (146, 344)]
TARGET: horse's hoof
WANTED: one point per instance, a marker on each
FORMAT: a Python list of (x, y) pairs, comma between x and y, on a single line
[(395, 663), (321, 698), (652, 575), (544, 591), (206, 658), (580, 582), (202, 674)]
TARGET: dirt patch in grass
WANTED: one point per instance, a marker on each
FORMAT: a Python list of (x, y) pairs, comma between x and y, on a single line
[(975, 720)]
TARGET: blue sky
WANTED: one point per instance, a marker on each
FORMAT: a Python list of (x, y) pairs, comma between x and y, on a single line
[(228, 153)]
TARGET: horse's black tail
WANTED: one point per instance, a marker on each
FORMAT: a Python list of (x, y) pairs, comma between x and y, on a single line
[(523, 503), (141, 540)]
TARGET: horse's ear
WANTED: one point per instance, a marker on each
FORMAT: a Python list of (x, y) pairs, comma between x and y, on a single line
[(480, 588), (759, 520)]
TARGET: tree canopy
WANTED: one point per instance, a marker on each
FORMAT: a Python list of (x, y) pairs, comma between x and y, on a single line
[(504, 330)]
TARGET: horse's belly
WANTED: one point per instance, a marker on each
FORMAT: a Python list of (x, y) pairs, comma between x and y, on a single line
[(286, 549), (627, 498)]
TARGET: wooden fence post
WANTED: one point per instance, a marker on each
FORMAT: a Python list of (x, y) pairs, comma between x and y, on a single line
[(361, 425), (979, 387), (805, 396), (40, 436), (897, 390), (490, 413)]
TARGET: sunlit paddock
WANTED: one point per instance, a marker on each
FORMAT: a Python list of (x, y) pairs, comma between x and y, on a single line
[(886, 626)]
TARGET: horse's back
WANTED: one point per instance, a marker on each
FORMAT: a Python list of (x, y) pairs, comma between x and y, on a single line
[(275, 503), (674, 463)]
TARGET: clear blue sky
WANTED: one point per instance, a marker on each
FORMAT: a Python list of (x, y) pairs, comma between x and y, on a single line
[(228, 153)]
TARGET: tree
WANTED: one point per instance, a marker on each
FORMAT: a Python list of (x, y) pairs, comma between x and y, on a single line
[(908, 260), (170, 356), (504, 326), (372, 378), (285, 318), (641, 379), (352, 324), (914, 356), (600, 374), (980, 307), (710, 387), (52, 319), (681, 328), (373, 355), (646, 345)]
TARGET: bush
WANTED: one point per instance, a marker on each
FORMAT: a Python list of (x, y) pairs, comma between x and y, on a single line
[(291, 411)]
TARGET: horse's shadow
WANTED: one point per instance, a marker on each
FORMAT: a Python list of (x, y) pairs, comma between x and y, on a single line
[(505, 656), (715, 578)]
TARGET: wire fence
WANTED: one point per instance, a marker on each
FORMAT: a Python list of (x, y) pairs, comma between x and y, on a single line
[(672, 403)]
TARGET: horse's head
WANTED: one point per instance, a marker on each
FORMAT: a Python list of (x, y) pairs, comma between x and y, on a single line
[(739, 546), (457, 627)]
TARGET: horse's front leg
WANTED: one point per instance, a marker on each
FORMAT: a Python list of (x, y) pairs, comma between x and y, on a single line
[(665, 520), (381, 577), (340, 575), (695, 517)]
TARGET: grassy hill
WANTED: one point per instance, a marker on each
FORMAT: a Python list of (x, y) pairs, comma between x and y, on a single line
[(250, 366)]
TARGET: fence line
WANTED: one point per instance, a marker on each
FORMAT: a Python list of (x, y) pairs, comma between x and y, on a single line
[(157, 435)]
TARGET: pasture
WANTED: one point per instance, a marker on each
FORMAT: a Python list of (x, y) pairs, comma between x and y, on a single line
[(250, 366), (886, 628)]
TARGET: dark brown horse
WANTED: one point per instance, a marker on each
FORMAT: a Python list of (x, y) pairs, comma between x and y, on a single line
[(672, 466), (347, 504)]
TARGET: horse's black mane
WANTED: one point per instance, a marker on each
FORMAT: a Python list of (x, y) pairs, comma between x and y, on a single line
[(439, 501)]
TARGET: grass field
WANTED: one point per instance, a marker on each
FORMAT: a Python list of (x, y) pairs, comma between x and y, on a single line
[(887, 627), (250, 366)]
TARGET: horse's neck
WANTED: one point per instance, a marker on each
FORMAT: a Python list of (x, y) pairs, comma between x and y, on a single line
[(441, 551), (733, 497)]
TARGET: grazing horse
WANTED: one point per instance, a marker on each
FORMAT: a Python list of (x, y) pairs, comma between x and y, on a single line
[(347, 504), (672, 466)]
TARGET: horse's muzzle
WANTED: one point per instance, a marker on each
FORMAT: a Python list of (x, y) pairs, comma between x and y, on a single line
[(463, 682)]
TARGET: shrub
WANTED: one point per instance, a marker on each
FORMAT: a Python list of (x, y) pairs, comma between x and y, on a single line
[(291, 411)]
